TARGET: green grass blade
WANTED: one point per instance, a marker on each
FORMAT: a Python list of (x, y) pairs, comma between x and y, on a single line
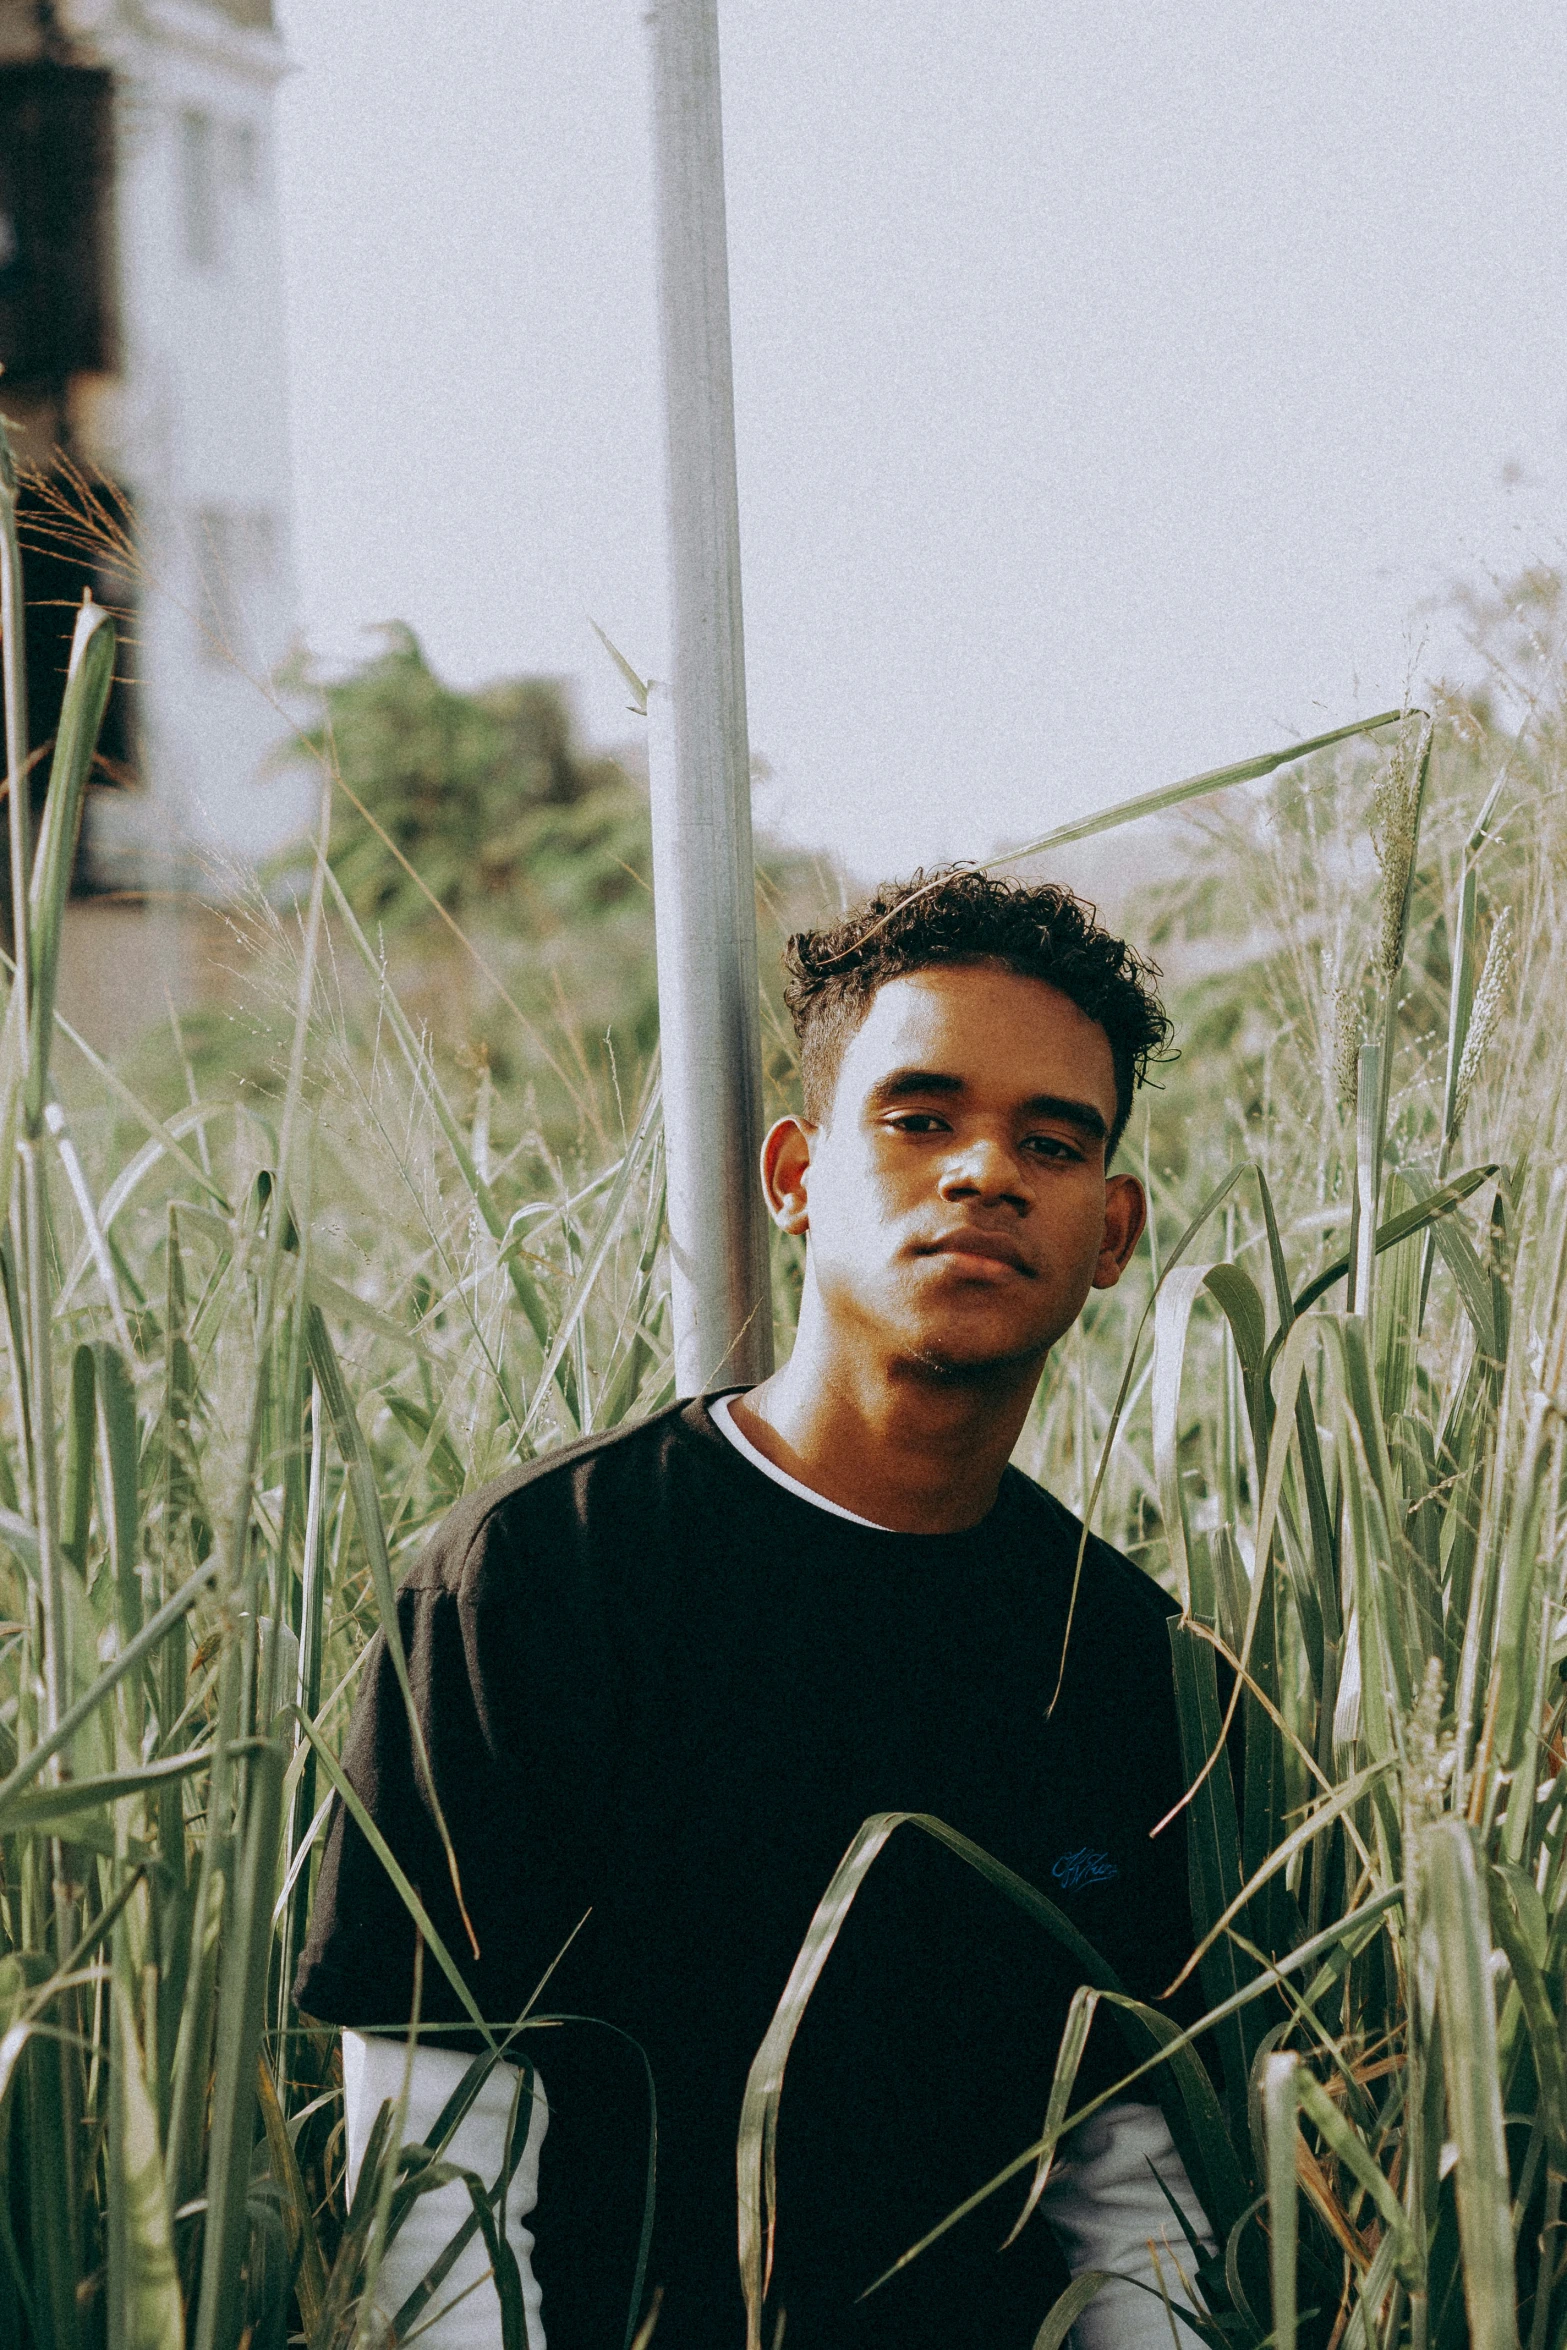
[(21, 1384), (157, 1627), (312, 1623), (208, 1906), (144, 2306), (1395, 1316), (1462, 1260), (1333, 1806), (130, 1178), (1177, 1294), (1376, 1512), (242, 1992), (348, 2265), (436, 2173), (1528, 1963), (299, 2219), (13, 654), (1236, 1295), (117, 1435), (21, 1540), (88, 679), (1069, 2307), (97, 1248), (456, 1141), (1278, 2110), (1270, 1772), (427, 2179), (1463, 957), (636, 686), (163, 1137), (1535, 1482), (1454, 1926), (50, 2123), (76, 1500), (1074, 2039), (409, 1897), (1345, 2143), (51, 1808), (372, 1533), (1174, 795), (1209, 1208), (1399, 1228), (1214, 1855), (1287, 1382), (186, 1517), (57, 1646), (604, 1240)]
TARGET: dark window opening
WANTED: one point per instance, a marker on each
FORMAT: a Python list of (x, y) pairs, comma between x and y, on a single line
[(56, 164)]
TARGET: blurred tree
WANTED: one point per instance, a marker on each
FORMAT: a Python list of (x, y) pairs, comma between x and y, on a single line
[(542, 853), (488, 795)]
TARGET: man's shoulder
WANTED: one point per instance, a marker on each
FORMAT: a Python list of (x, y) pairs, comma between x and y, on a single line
[(1110, 1582), (614, 1475)]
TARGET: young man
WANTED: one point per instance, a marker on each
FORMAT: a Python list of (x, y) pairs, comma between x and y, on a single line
[(664, 1676)]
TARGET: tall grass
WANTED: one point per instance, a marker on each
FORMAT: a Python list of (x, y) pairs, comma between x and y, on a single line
[(1329, 1412), (255, 1345), (257, 1340)]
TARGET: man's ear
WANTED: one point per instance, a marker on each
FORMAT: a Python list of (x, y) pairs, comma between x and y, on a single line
[(1126, 1212), (786, 1162)]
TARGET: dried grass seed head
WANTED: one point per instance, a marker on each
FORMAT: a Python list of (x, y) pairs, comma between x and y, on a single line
[(1395, 821), (1486, 1012), (1348, 1036)]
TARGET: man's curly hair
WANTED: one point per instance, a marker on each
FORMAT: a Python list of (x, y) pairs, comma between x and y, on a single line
[(957, 915)]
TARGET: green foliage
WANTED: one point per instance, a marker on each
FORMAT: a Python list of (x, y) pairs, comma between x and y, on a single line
[(486, 795), (524, 949)]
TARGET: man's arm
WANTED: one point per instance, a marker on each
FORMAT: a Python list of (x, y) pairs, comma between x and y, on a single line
[(1107, 2210), (373, 2071)]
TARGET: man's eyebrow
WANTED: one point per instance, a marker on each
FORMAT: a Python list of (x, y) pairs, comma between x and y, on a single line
[(900, 1085), (1067, 1112)]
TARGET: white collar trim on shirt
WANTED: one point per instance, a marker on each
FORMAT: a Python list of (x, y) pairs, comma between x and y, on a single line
[(723, 1420)]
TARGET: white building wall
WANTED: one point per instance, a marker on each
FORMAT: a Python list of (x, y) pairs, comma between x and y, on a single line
[(195, 426)]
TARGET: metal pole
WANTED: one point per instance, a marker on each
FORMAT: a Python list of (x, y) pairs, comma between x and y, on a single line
[(698, 754)]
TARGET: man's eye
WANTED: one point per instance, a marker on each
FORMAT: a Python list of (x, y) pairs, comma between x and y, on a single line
[(1052, 1146), (918, 1122)]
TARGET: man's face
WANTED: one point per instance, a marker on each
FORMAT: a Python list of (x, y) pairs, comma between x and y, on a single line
[(956, 1200)]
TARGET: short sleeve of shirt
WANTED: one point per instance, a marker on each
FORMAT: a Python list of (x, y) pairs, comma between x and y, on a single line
[(509, 1687)]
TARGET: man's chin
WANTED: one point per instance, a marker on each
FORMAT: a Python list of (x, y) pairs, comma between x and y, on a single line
[(967, 1359)]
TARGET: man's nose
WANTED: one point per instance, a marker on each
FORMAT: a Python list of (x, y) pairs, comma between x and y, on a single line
[(984, 1167)]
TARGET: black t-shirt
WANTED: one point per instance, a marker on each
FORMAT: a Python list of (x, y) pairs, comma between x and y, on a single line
[(661, 1691)]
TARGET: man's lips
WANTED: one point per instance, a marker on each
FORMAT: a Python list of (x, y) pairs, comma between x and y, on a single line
[(991, 1245)]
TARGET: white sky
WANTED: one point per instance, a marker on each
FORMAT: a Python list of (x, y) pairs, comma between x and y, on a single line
[(1117, 385)]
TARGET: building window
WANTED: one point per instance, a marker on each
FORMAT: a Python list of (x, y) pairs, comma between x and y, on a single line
[(236, 554), (56, 178), (221, 167), (242, 159), (199, 192)]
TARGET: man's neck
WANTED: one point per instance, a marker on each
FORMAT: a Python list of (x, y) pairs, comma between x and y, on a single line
[(908, 1447)]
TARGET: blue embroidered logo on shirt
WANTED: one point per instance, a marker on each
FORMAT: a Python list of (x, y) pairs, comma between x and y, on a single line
[(1082, 1867)]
